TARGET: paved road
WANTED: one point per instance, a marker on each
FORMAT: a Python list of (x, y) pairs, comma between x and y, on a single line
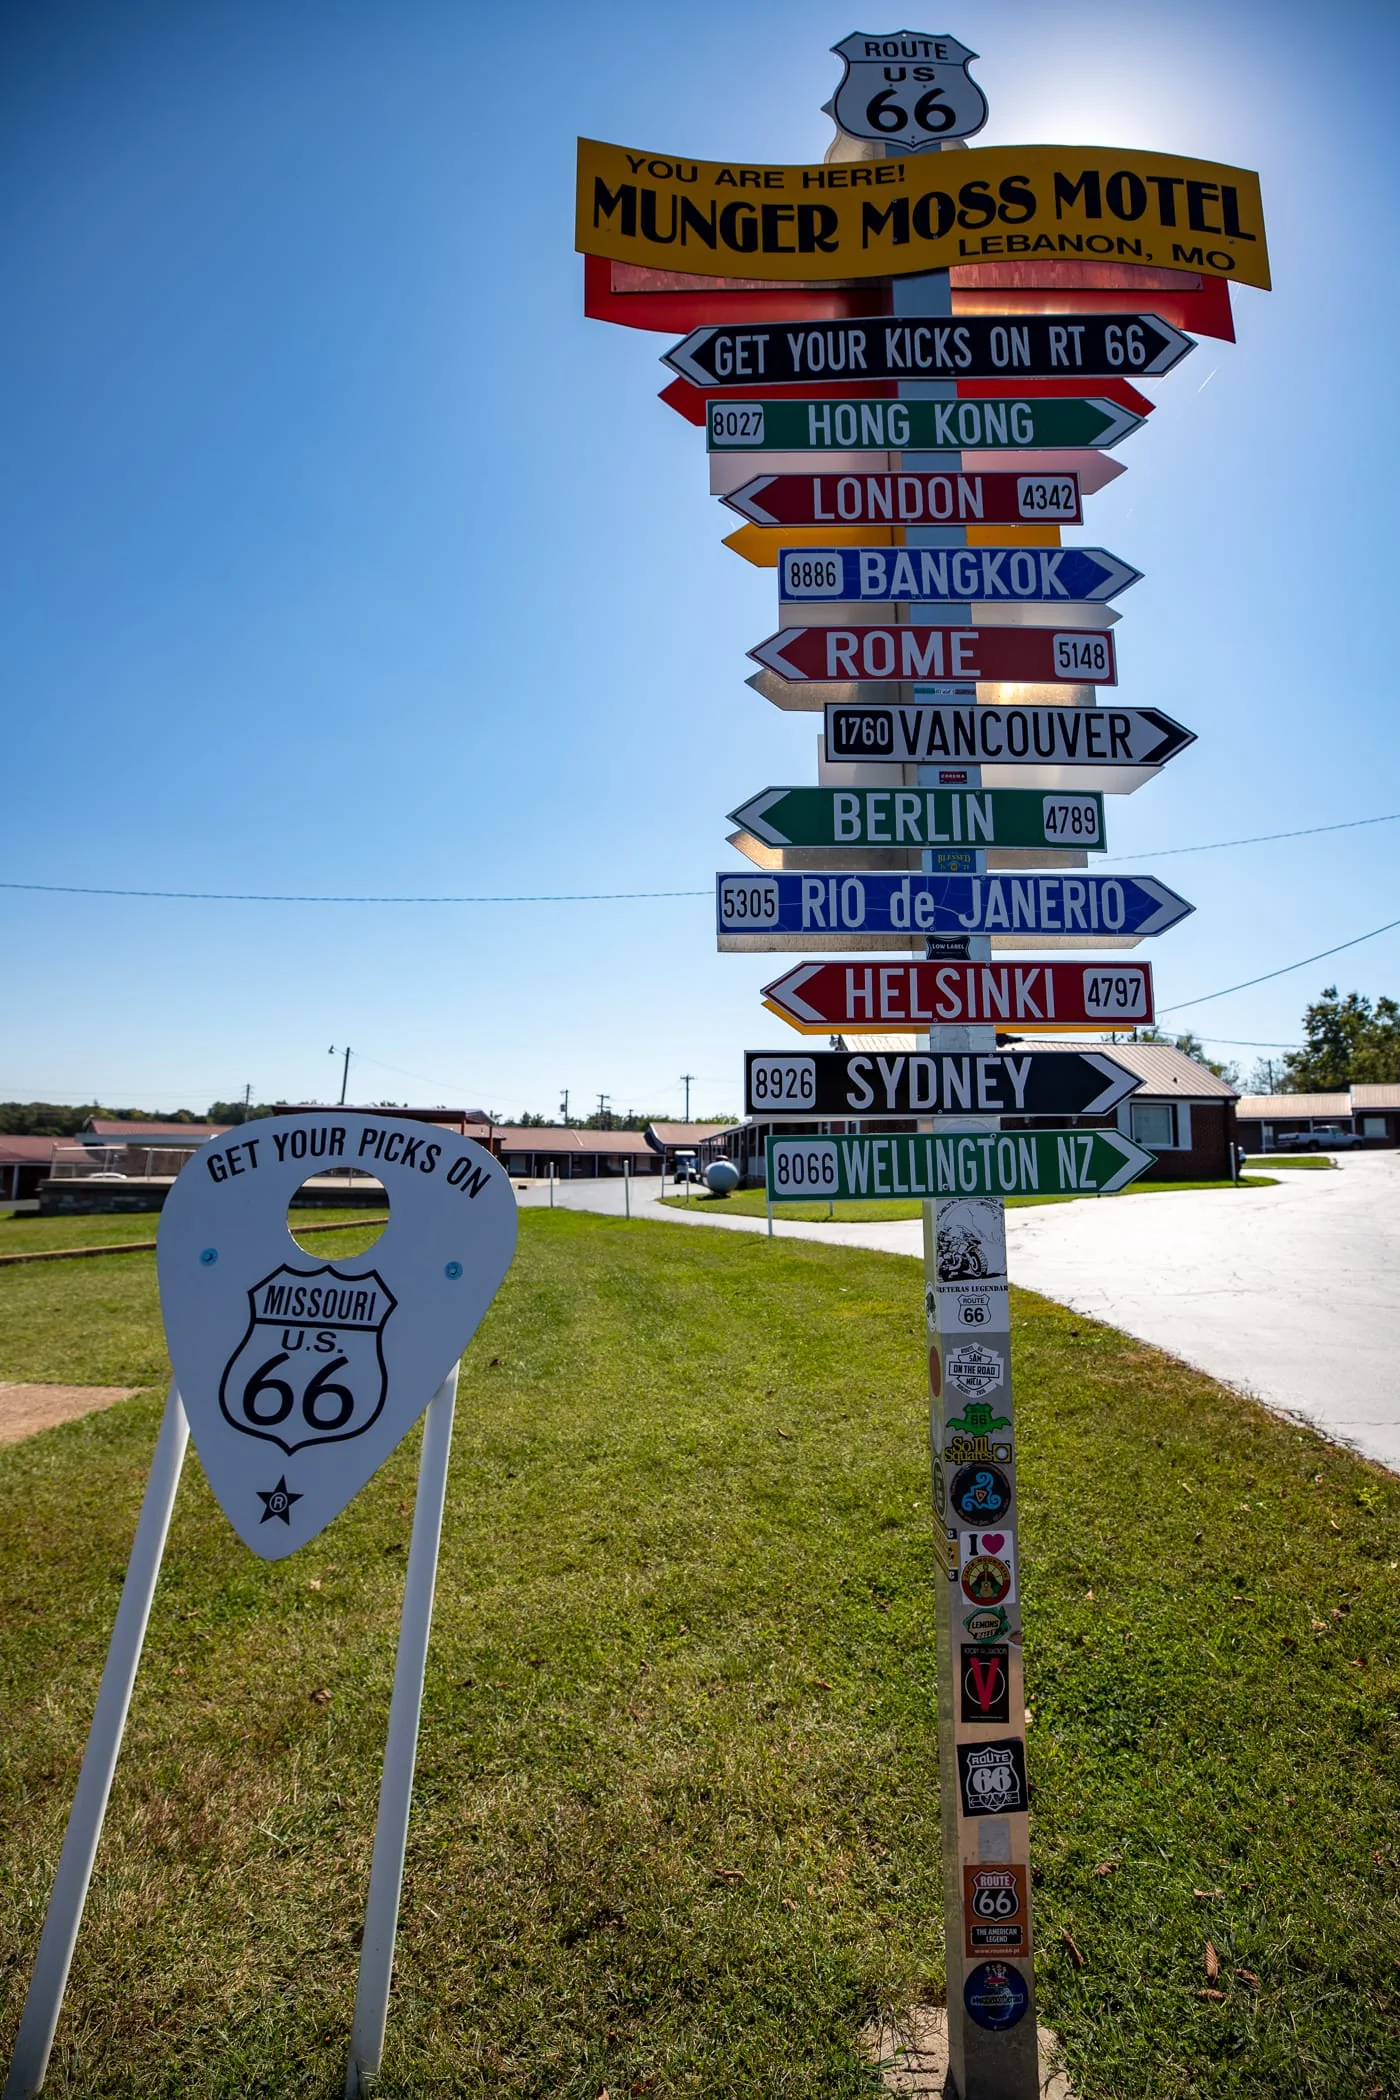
[(1290, 1293)]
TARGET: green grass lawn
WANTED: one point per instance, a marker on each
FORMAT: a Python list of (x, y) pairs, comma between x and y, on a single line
[(752, 1203), (24, 1232), (1314, 1161), (676, 1829)]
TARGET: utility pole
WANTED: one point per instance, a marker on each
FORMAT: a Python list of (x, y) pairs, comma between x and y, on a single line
[(247, 1099), (344, 1073), (687, 1077), (564, 1107), (603, 1118)]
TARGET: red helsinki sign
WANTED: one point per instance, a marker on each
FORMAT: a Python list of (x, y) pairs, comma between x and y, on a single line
[(960, 655), (909, 499), (870, 997)]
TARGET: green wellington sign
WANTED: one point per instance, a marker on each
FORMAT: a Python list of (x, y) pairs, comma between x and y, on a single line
[(918, 426), (956, 1163), (975, 817)]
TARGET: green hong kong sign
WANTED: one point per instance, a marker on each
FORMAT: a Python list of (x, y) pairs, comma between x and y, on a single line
[(954, 1163), (966, 817), (968, 424)]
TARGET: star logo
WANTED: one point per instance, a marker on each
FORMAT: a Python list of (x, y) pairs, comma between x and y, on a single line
[(277, 1502)]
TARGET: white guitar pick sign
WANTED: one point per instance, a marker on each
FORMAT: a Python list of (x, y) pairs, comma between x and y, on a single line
[(300, 1376)]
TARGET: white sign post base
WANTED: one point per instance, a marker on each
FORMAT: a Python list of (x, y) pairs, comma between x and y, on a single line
[(44, 2000), (401, 1748)]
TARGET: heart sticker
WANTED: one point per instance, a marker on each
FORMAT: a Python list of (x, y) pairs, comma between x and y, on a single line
[(993, 1541), (300, 1376)]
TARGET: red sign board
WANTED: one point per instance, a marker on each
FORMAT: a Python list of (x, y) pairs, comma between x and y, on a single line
[(870, 998), (946, 655), (910, 499)]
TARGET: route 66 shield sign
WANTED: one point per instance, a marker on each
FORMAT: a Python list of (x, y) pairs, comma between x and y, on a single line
[(907, 89), (300, 1376), (310, 1367)]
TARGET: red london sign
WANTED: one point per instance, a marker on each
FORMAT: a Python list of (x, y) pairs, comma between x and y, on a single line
[(874, 997), (909, 499)]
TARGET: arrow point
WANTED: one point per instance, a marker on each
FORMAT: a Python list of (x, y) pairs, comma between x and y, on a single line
[(1174, 738)]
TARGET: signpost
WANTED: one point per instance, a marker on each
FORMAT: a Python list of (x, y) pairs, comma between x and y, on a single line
[(925, 733), (910, 499), (952, 575), (921, 458), (847, 1083), (891, 998), (298, 1378), (975, 346), (958, 655), (968, 423), (877, 909), (845, 818), (971, 1163)]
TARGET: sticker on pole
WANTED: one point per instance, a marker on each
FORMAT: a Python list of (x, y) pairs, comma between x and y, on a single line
[(298, 1376)]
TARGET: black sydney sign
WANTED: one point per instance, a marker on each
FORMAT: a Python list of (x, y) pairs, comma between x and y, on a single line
[(871, 1085), (977, 346)]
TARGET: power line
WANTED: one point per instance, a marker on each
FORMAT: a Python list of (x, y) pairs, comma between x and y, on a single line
[(1321, 956), (73, 889), (1264, 838)]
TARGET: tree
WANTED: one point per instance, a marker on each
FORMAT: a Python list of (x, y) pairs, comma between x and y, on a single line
[(1345, 1042)]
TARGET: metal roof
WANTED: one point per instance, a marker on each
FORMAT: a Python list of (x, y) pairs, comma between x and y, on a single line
[(673, 1134), (16, 1150), (1375, 1097), (1290, 1106), (123, 1130), (552, 1137)]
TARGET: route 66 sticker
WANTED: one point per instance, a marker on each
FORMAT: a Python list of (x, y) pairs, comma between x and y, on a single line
[(299, 1376)]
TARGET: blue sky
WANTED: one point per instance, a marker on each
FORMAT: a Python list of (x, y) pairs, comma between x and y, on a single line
[(341, 555)]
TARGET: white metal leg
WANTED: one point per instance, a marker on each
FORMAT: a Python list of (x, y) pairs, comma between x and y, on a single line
[(400, 1751), (50, 1978)]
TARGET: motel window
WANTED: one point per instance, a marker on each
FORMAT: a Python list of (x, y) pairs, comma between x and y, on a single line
[(1162, 1126), (1373, 1126)]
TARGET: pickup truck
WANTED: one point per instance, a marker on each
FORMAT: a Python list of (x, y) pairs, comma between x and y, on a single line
[(1325, 1137)]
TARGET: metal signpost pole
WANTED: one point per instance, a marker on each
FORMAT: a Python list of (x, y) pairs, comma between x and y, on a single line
[(401, 1748), (992, 2043), (44, 2000)]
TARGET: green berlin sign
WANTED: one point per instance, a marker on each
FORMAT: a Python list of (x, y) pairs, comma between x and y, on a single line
[(915, 816)]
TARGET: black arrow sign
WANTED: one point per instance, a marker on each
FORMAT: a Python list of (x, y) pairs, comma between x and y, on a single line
[(874, 1086), (979, 346), (946, 734)]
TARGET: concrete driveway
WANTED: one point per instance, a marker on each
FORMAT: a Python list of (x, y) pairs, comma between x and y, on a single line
[(1291, 1294)]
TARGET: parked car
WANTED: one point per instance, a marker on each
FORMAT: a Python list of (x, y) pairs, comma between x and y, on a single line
[(1324, 1137), (685, 1166)]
